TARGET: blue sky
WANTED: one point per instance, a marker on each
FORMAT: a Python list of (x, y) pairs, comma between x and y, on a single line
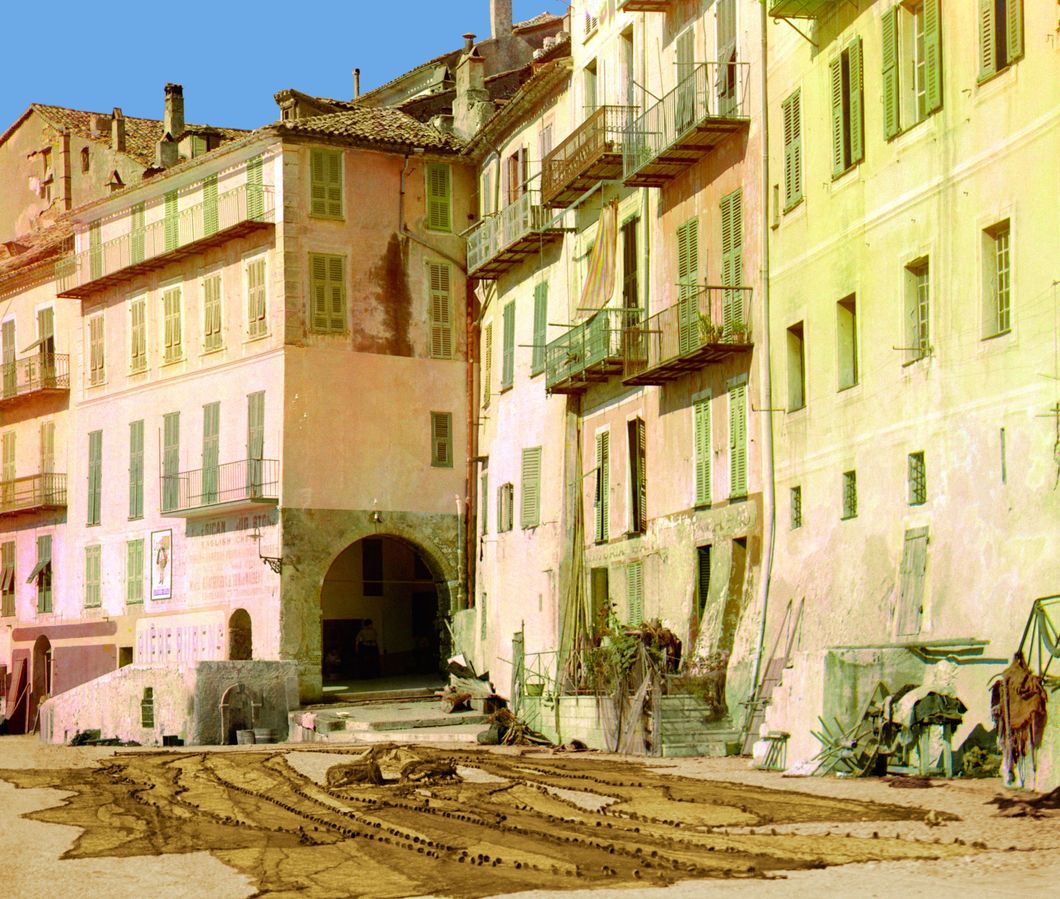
[(230, 56)]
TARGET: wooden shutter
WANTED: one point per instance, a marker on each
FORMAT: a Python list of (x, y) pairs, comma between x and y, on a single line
[(318, 267), (835, 73), (7, 348), (136, 250), (508, 357), (537, 359), (95, 475), (638, 489), (325, 183), (47, 447), (635, 592), (92, 576), (530, 513), (738, 440), (439, 198), (95, 250), (911, 586), (211, 312), (857, 143), (732, 259), (603, 486), (1013, 30), (134, 572), (686, 87), (484, 504), (702, 440), (138, 335), (255, 192), (687, 279), (487, 365), (891, 119), (336, 310), (211, 440), (792, 109), (256, 324), (255, 441), (170, 460), (442, 439), (209, 204), (441, 303), (95, 341), (171, 313), (987, 40), (171, 224), (328, 294), (9, 455), (136, 469), (933, 55)]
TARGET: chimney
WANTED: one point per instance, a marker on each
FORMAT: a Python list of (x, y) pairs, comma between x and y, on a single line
[(472, 105), (356, 83), (501, 18), (173, 121), (117, 130), (469, 42)]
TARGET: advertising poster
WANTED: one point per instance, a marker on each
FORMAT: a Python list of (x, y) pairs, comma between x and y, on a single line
[(161, 564)]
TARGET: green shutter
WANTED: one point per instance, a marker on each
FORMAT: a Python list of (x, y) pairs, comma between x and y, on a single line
[(170, 461), (96, 373), (211, 312), (211, 442), (792, 109), (9, 456), (635, 592), (95, 250), (328, 293), (326, 183), (857, 143), (442, 439), (530, 513), (136, 469), (702, 438), (603, 486), (134, 572), (487, 365), (256, 323), (92, 565), (835, 75), (738, 440), (95, 475), (209, 204), (255, 441), (439, 198), (441, 302), (255, 192), (1013, 30), (138, 335), (987, 40), (7, 348), (171, 223), (136, 250), (484, 492), (47, 447), (891, 120), (508, 359), (688, 285), (636, 436), (732, 259), (173, 332), (537, 359), (933, 55)]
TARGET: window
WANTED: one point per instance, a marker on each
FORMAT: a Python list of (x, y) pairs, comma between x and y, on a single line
[(917, 311), (1000, 35), (97, 373), (592, 18), (328, 292), (47, 447), (910, 607), (173, 338), (850, 494), (7, 579), (147, 708), (602, 501), (796, 368), (917, 479), (486, 204), (7, 349), (635, 592), (136, 234), (516, 175), (170, 461), (638, 483), (442, 439), (134, 572), (7, 441), (439, 277), (545, 139), (589, 87), (505, 504), (85, 160), (92, 576), (255, 442), (255, 191), (630, 258), (439, 197), (325, 176), (912, 64), (702, 441), (137, 335), (371, 567), (688, 336), (211, 313), (727, 68), (136, 469), (209, 204), (484, 509), (530, 508), (791, 109), (257, 326), (703, 554), (685, 51), (846, 327), (997, 287), (796, 508), (846, 80), (537, 357), (46, 330), (42, 573), (732, 264), (95, 251), (211, 443), (738, 440), (95, 476), (170, 222), (508, 359), (487, 365)]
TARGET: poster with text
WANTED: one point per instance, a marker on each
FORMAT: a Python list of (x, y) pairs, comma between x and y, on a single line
[(161, 564)]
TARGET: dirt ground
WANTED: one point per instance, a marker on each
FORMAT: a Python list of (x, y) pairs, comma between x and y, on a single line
[(264, 821)]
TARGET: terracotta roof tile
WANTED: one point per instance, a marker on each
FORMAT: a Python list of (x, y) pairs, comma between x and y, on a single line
[(379, 125)]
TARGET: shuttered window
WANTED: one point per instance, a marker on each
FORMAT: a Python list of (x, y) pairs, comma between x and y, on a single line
[(7, 348), (688, 285), (8, 444), (209, 204), (638, 480), (92, 576), (487, 365), (845, 76), (733, 313), (792, 114), (890, 81), (439, 276), (138, 335), (97, 373), (850, 494), (255, 442), (484, 504), (796, 508), (505, 504), (47, 447), (211, 313), (602, 503), (7, 579), (508, 359), (997, 287), (134, 572), (255, 190), (442, 439), (136, 249), (257, 326), (537, 358), (635, 592), (211, 445), (702, 441), (912, 65), (325, 183), (171, 222), (328, 293), (738, 440), (1000, 35), (917, 479), (95, 251), (95, 476), (42, 573), (439, 197), (173, 331), (530, 510), (910, 607), (170, 461), (136, 469)]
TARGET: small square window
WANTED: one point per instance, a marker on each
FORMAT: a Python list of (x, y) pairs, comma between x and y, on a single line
[(917, 311), (917, 479), (850, 494), (796, 508)]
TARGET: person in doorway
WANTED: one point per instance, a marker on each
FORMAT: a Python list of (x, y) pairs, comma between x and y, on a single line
[(367, 648)]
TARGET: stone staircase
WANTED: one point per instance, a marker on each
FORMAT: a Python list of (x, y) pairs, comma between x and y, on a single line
[(685, 730), (410, 719)]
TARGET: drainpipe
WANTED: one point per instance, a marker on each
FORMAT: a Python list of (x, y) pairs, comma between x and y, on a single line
[(768, 485), (401, 197), (460, 551), (471, 396)]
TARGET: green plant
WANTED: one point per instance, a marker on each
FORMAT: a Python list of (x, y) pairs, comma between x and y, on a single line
[(708, 331)]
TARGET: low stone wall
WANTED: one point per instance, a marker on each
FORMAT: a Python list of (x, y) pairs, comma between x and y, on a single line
[(565, 718)]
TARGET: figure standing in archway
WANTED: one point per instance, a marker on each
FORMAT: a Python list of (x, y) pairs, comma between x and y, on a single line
[(367, 647)]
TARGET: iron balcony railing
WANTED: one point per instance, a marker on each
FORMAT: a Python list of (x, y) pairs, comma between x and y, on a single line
[(592, 350), (704, 325), (235, 211), (36, 492), (249, 481), (501, 239), (39, 373), (592, 152), (709, 102)]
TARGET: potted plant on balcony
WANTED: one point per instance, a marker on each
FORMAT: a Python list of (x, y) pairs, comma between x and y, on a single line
[(708, 331), (739, 332)]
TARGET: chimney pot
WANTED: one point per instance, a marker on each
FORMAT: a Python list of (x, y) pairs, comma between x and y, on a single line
[(117, 130), (501, 18), (469, 42), (173, 121), (356, 83)]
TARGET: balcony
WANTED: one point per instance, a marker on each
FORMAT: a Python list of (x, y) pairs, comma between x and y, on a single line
[(236, 212), (800, 9), (644, 5), (35, 493), (592, 153), (502, 240), (43, 374), (232, 487), (593, 350), (707, 326), (706, 107)]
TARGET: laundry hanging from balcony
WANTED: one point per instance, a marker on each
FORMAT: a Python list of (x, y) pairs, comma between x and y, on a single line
[(600, 279)]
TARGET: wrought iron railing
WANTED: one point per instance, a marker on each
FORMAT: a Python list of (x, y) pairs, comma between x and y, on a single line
[(496, 233), (602, 132), (35, 491), (594, 341), (243, 204), (42, 371), (712, 90), (249, 480)]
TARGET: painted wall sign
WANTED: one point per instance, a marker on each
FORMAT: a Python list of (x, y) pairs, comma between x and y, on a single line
[(181, 639), (161, 564)]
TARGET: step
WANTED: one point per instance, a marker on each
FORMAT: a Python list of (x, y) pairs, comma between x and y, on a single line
[(465, 733), (711, 749)]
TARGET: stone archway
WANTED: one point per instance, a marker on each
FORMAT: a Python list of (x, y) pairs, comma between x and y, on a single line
[(240, 637), (42, 669)]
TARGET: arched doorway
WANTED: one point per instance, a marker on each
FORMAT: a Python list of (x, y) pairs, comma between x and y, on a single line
[(240, 637), (381, 591), (42, 668)]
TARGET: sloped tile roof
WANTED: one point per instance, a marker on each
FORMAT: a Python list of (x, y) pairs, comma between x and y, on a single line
[(38, 246), (375, 125)]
